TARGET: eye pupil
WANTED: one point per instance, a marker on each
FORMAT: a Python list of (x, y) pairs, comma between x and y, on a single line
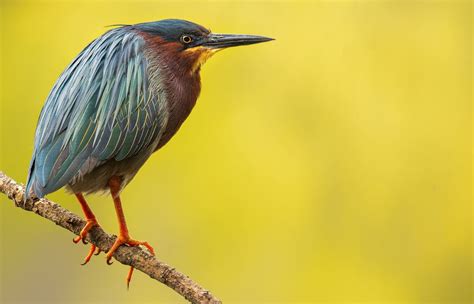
[(186, 39)]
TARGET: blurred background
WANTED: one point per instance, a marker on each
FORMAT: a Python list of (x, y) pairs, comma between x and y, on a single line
[(332, 165)]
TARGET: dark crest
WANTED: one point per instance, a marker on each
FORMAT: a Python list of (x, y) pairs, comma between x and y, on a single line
[(172, 29)]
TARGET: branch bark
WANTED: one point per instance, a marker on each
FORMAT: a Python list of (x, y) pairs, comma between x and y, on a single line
[(133, 256)]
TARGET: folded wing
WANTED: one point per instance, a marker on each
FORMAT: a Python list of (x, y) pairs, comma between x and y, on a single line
[(100, 109)]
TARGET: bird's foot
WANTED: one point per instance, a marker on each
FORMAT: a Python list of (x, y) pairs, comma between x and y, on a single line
[(121, 240), (126, 240), (82, 237), (92, 251)]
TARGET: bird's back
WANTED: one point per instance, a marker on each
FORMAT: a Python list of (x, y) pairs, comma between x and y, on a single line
[(101, 113)]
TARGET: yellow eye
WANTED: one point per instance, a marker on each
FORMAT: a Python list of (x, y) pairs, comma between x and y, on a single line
[(186, 39)]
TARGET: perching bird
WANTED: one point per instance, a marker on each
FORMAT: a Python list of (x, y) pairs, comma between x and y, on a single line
[(121, 99)]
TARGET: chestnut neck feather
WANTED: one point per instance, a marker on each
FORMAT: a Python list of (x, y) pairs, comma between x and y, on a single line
[(181, 85)]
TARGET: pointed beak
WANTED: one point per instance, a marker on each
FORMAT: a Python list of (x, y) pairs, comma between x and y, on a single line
[(220, 41)]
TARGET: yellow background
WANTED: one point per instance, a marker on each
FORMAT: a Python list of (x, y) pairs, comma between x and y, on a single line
[(332, 165)]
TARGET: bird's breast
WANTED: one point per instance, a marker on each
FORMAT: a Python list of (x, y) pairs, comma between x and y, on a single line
[(181, 96), (172, 79)]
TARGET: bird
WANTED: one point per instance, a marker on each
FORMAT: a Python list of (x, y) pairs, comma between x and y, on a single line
[(121, 99)]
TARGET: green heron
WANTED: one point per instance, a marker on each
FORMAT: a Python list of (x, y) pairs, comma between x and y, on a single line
[(121, 99)]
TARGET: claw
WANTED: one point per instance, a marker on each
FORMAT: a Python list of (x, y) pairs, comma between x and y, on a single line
[(89, 255), (129, 277), (82, 235), (126, 240), (98, 251), (91, 222), (79, 238)]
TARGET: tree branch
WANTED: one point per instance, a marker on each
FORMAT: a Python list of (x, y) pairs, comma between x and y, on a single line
[(134, 256)]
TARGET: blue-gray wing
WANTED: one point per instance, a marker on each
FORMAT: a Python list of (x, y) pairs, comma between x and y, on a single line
[(100, 109)]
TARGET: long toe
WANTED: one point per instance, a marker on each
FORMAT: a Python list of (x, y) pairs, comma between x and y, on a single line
[(129, 242), (82, 237), (132, 243), (135, 243), (89, 255)]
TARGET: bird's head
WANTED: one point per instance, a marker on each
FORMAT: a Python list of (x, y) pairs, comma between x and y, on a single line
[(189, 44)]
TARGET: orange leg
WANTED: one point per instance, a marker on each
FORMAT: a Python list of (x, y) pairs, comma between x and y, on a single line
[(91, 222), (124, 237)]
